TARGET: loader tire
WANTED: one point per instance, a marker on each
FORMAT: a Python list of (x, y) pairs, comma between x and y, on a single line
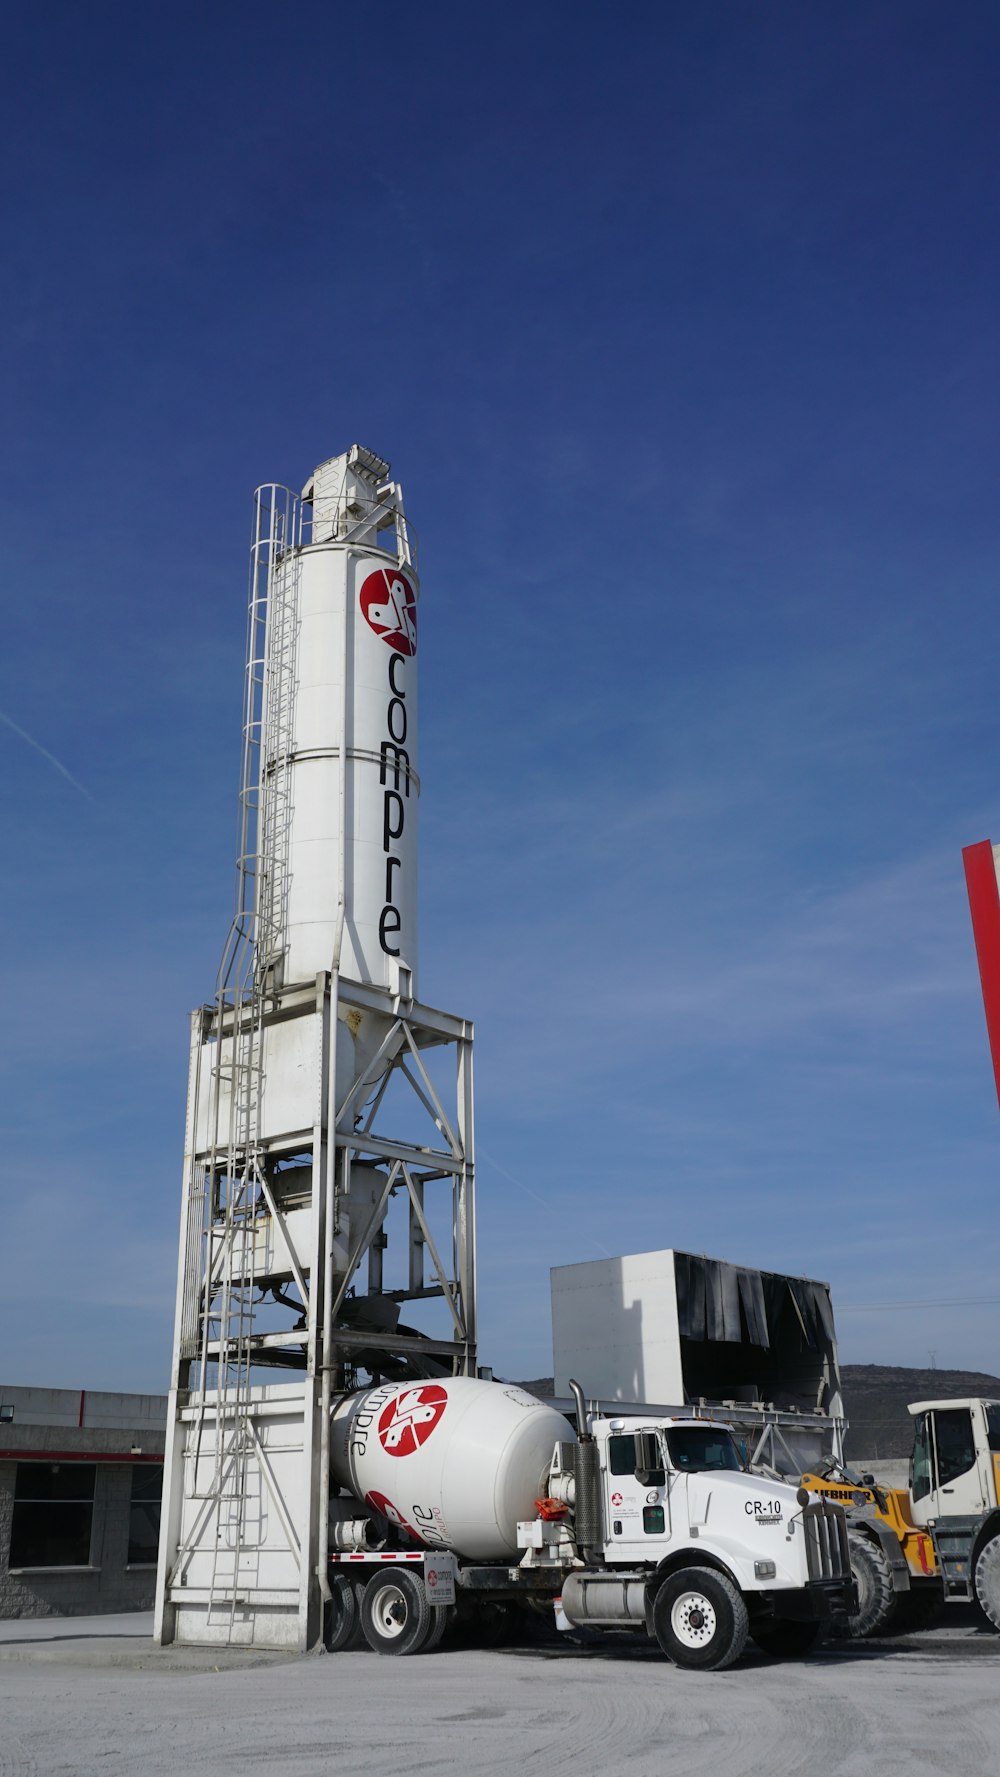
[(986, 1581), (700, 1619), (873, 1578)]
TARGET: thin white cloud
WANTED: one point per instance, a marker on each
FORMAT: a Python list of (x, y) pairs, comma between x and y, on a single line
[(552, 1204), (57, 763)]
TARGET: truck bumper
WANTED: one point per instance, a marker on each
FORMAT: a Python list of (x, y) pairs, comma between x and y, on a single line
[(819, 1601)]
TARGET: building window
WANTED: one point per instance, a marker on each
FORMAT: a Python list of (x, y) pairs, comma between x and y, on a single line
[(144, 1514), (53, 1514)]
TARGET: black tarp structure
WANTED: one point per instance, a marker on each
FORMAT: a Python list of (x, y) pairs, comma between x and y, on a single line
[(755, 1335)]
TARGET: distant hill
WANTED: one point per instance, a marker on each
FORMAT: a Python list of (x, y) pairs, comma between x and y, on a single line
[(876, 1397)]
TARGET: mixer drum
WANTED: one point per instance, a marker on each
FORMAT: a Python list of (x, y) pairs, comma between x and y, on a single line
[(454, 1463)]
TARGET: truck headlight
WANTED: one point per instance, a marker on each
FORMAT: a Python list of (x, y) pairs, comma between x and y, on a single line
[(764, 1570)]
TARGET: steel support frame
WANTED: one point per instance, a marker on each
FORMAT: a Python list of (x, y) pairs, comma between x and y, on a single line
[(319, 1355)]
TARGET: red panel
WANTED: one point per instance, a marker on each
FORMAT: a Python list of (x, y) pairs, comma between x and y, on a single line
[(984, 902)]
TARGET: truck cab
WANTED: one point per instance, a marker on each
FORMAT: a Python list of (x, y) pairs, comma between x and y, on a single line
[(672, 1534), (955, 1494), (681, 1484), (658, 1481), (955, 1465)]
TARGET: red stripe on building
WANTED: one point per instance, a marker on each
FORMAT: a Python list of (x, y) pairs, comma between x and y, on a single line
[(984, 904), (76, 1456)]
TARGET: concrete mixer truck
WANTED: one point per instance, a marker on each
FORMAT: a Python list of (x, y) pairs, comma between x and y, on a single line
[(463, 1493)]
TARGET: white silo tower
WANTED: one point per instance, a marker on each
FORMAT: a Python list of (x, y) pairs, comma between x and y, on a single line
[(321, 1145)]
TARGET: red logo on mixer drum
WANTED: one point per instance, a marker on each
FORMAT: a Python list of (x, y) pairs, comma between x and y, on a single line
[(379, 1503), (390, 606), (407, 1421)]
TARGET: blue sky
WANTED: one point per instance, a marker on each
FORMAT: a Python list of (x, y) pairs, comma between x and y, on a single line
[(679, 325)]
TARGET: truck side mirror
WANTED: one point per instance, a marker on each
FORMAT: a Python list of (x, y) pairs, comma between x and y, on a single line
[(649, 1471)]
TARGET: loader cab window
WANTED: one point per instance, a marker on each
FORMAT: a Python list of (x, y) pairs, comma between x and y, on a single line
[(956, 1446), (993, 1426), (696, 1448), (921, 1467)]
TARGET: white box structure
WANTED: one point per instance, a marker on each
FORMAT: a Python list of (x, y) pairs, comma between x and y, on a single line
[(614, 1328), (670, 1328)]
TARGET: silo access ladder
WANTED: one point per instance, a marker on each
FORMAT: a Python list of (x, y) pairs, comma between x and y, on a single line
[(237, 1187)]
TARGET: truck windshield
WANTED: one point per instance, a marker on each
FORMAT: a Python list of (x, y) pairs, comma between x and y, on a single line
[(701, 1447)]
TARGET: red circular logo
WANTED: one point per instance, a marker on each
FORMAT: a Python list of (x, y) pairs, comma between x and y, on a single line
[(389, 604), (407, 1421), (616, 1499), (379, 1503)]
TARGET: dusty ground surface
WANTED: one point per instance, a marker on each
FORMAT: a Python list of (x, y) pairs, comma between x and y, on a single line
[(85, 1696)]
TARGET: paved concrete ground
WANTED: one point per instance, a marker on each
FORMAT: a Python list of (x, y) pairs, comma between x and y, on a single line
[(80, 1697), (136, 1625)]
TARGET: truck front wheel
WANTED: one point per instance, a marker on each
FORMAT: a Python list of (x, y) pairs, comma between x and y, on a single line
[(700, 1619), (987, 1580), (396, 1617)]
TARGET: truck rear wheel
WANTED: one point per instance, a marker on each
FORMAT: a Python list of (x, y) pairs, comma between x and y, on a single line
[(396, 1617), (873, 1578), (785, 1639), (987, 1580), (343, 1615), (700, 1619)]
